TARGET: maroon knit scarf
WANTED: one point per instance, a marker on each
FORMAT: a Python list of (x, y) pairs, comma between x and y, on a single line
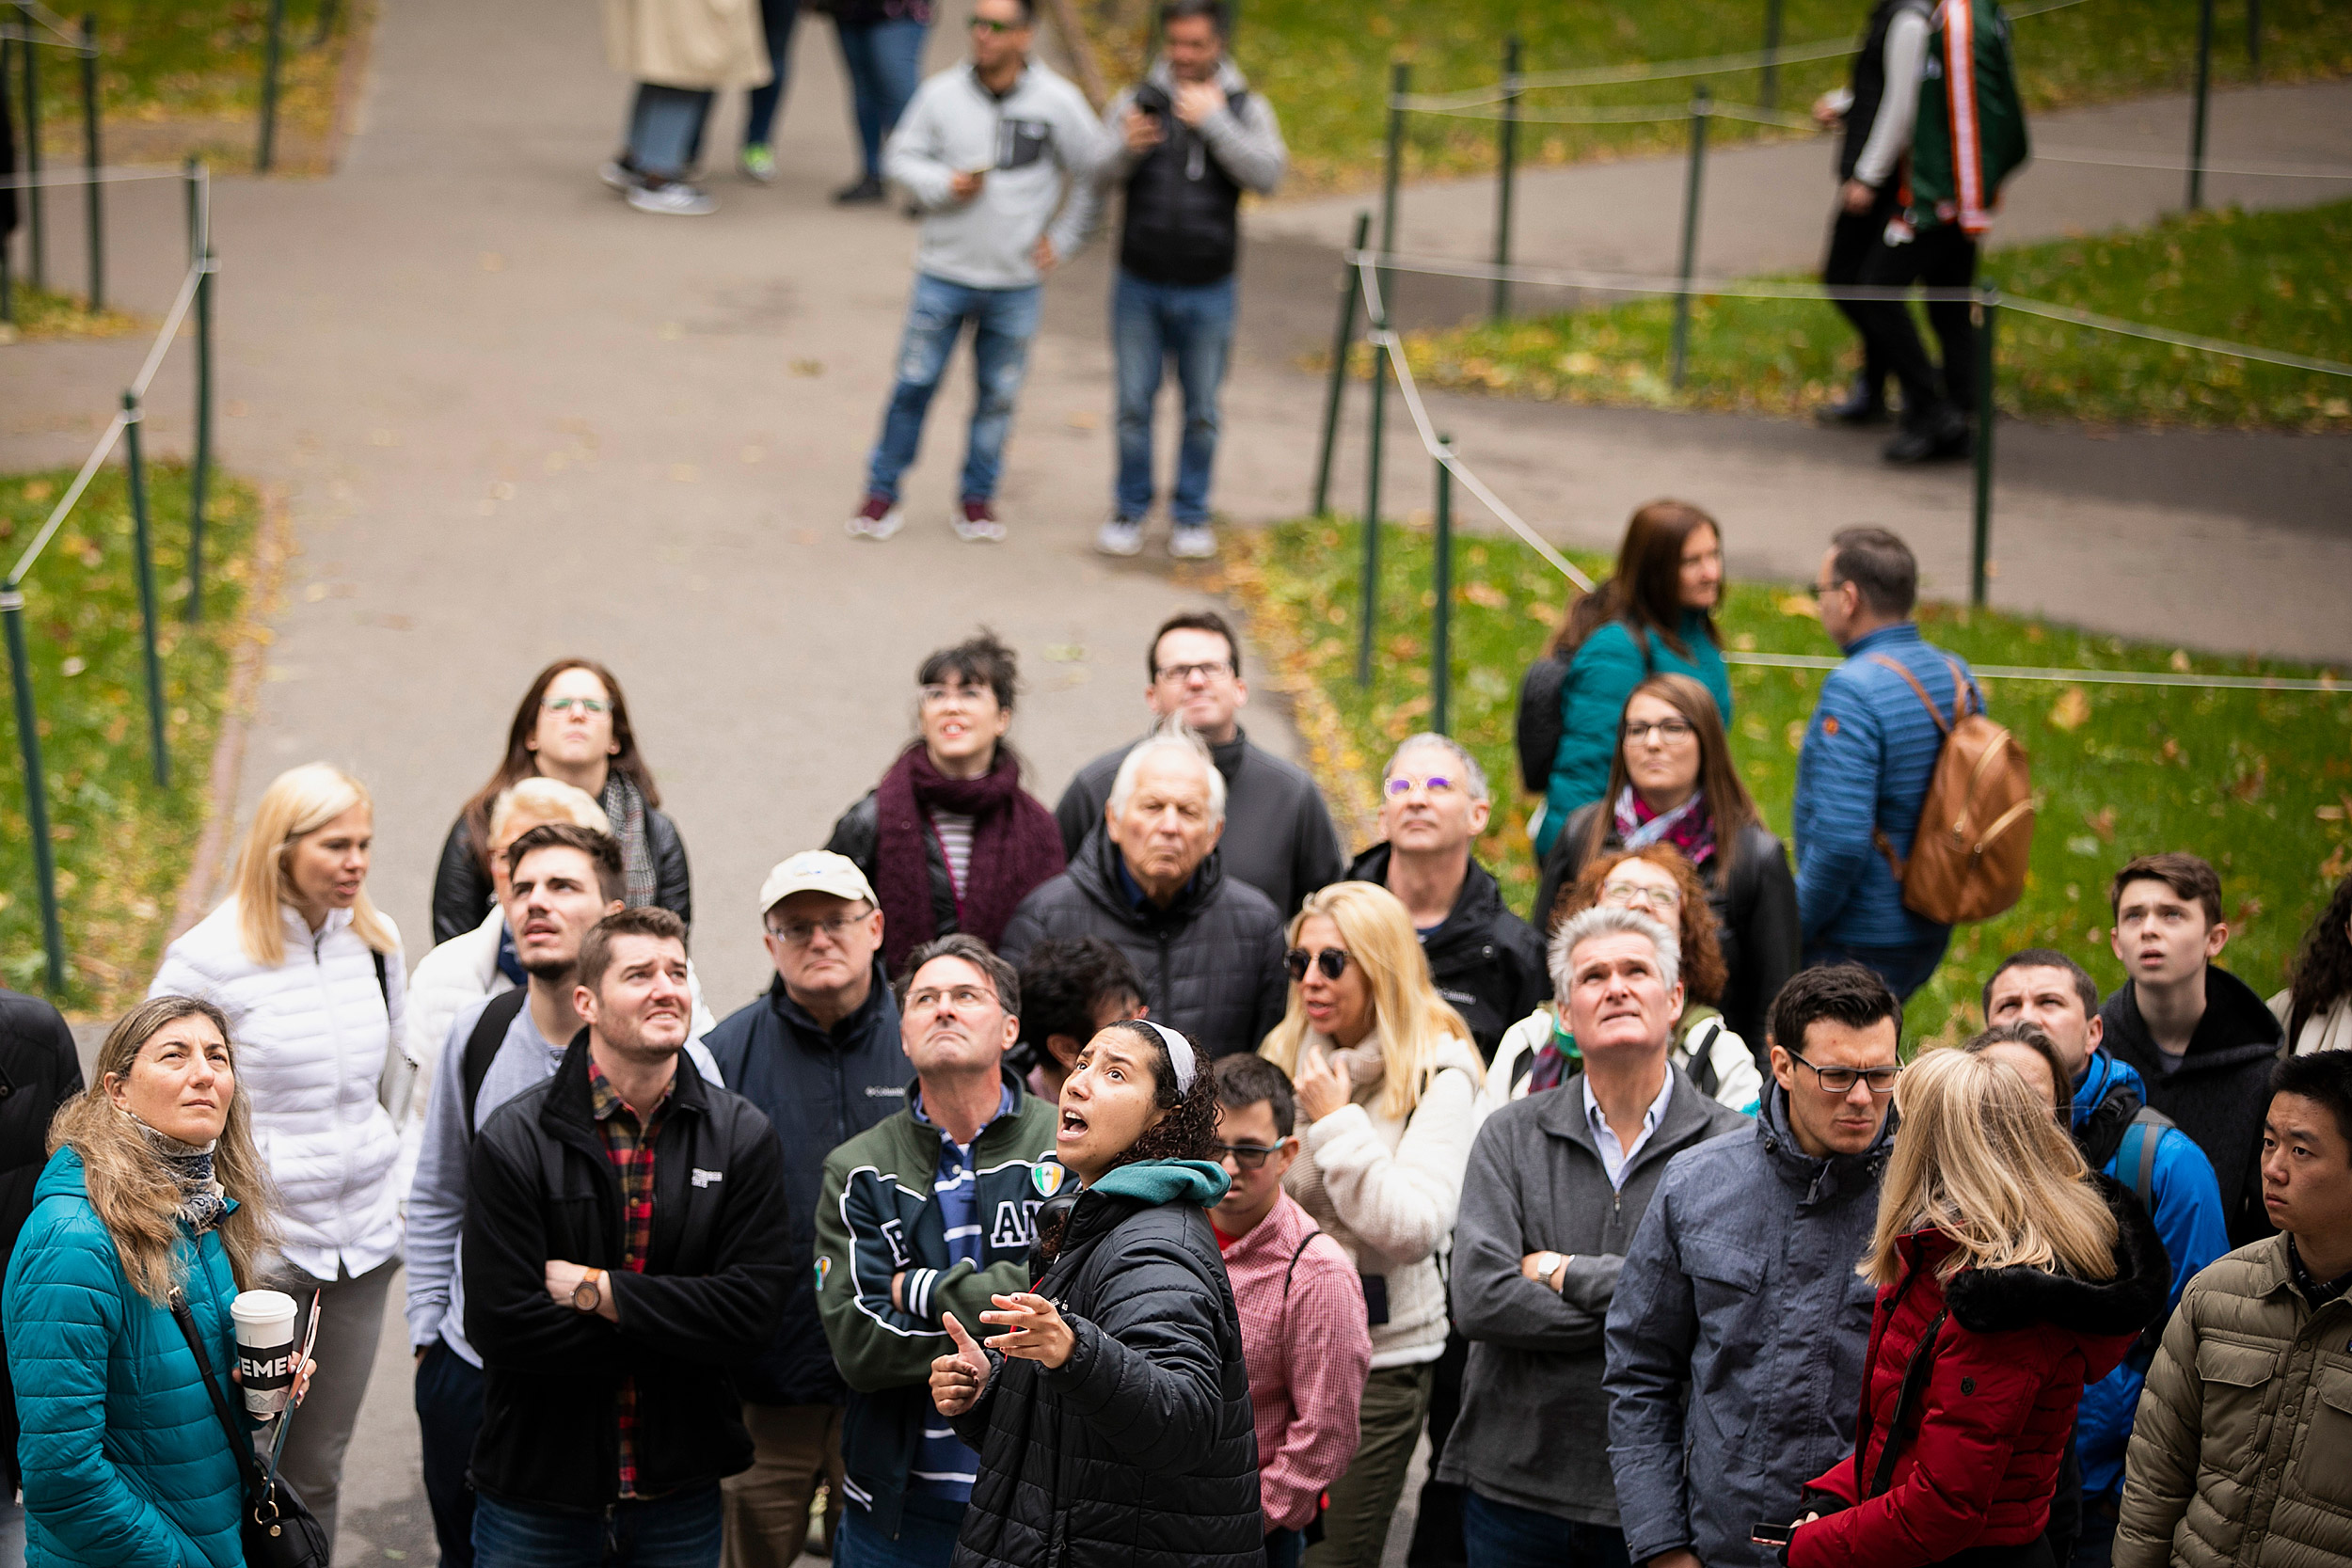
[(1015, 845)]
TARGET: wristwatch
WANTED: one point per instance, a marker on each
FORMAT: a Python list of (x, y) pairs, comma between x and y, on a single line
[(589, 1293), (1548, 1264)]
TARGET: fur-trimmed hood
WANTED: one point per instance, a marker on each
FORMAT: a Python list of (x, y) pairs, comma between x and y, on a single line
[(1993, 1300)]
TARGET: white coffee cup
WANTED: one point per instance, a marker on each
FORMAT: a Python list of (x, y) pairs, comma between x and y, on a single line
[(265, 1348)]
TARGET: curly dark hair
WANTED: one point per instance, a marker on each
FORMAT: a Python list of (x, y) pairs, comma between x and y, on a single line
[(1188, 1131), (2323, 968)]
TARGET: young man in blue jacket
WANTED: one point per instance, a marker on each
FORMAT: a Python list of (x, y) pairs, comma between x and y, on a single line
[(818, 1052), (1868, 754), (2119, 1134)]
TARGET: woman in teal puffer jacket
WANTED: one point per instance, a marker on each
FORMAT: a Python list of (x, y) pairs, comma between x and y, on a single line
[(1656, 614), (152, 1185)]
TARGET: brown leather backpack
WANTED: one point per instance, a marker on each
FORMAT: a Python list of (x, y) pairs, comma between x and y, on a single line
[(1976, 825)]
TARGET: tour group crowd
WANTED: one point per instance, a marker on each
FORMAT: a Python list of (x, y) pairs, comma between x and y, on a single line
[(1138, 1181)]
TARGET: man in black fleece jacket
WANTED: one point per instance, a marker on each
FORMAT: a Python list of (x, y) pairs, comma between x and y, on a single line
[(2199, 1036)]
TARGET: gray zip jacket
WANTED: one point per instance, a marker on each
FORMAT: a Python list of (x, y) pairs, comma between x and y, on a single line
[(1038, 141), (1533, 1422), (1740, 1290)]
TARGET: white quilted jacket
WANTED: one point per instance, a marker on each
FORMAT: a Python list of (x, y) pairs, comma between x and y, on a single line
[(312, 1038)]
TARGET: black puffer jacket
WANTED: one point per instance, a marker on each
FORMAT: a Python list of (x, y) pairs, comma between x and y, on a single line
[(462, 890), (1755, 918), (1483, 959), (1139, 1450), (1212, 961), (40, 1070)]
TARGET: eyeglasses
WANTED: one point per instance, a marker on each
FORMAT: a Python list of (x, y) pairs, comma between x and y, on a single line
[(1821, 587), (955, 696), (799, 933), (1670, 731), (985, 25), (1181, 674), (1437, 783), (1249, 1156), (584, 704), (1331, 960), (1841, 1080), (959, 997), (1626, 894)]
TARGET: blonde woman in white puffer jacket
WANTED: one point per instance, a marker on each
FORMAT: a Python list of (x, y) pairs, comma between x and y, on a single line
[(1387, 1083), (311, 976)]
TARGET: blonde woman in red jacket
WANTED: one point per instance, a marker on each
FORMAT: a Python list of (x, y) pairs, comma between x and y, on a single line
[(2009, 1276)]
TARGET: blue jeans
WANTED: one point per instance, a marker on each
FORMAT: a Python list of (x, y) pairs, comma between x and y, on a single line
[(1150, 323), (776, 19), (885, 61), (682, 1531), (449, 1419), (1499, 1535), (927, 1536), (1285, 1548), (1003, 322), (1904, 969), (665, 126)]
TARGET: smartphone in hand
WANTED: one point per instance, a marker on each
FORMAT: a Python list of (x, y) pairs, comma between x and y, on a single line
[(1772, 1535)]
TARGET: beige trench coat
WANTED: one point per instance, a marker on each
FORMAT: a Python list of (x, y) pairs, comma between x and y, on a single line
[(712, 44)]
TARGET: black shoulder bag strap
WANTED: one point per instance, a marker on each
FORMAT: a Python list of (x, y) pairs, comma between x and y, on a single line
[(481, 1045), (1899, 1429), (277, 1528)]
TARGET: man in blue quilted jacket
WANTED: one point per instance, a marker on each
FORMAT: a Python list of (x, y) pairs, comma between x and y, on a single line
[(1868, 754)]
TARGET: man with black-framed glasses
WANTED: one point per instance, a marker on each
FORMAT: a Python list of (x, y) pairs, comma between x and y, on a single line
[(1738, 1330), (818, 1052), (1303, 1329)]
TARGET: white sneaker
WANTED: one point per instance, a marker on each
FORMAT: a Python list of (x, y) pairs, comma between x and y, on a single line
[(1192, 542), (1121, 536), (976, 523), (877, 519), (670, 197), (617, 175)]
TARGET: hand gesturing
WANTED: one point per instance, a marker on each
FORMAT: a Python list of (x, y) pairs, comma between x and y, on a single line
[(1034, 1331), (957, 1379)]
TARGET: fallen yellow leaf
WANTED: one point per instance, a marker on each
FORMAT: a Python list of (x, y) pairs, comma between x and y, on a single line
[(2072, 711)]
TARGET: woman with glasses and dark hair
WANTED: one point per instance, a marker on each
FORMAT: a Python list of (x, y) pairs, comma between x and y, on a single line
[(1671, 781), (571, 726), (1656, 881), (1656, 613), (1386, 1080), (949, 839)]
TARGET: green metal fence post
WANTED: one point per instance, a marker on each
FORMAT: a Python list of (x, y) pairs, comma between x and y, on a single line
[(92, 212), (1771, 96), (2197, 123), (200, 460), (2255, 39), (1398, 76), (1701, 108), (8, 277), (1507, 152), (1371, 605), (36, 787), (1351, 289), (1441, 613), (1981, 552), (36, 230), (141, 537), (265, 152)]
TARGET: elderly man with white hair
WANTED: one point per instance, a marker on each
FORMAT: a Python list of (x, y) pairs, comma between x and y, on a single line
[(1208, 946), (1557, 1184)]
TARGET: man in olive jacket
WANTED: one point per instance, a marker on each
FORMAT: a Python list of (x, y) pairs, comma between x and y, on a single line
[(2242, 1450)]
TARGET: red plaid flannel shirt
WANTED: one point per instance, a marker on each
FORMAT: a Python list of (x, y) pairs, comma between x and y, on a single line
[(628, 1143)]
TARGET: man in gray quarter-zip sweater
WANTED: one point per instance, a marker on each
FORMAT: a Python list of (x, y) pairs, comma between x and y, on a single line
[(986, 152)]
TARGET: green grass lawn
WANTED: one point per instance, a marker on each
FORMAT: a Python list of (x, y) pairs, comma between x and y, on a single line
[(47, 313), (2259, 782), (1324, 67), (122, 845), (2268, 279)]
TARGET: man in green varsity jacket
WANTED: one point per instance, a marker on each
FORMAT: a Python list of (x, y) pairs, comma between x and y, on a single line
[(930, 1211)]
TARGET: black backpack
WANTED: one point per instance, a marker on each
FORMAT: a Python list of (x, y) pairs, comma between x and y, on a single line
[(1538, 731)]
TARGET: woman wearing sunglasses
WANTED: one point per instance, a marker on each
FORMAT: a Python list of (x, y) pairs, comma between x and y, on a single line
[(1538, 1051), (1672, 781), (1387, 1083), (572, 726)]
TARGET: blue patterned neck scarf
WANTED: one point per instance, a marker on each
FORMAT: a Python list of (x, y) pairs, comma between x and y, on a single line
[(201, 1201)]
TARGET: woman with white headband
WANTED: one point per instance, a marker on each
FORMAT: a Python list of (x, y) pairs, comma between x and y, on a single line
[(1110, 1406)]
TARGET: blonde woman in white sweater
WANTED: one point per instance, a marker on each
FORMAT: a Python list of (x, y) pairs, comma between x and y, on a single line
[(309, 974), (1386, 1087)]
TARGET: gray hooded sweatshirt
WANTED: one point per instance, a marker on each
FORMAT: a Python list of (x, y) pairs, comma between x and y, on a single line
[(1037, 142), (1534, 1428), (1739, 1291)]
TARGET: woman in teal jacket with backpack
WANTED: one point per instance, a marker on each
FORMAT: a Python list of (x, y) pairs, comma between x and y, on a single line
[(1656, 614), (150, 1189)]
